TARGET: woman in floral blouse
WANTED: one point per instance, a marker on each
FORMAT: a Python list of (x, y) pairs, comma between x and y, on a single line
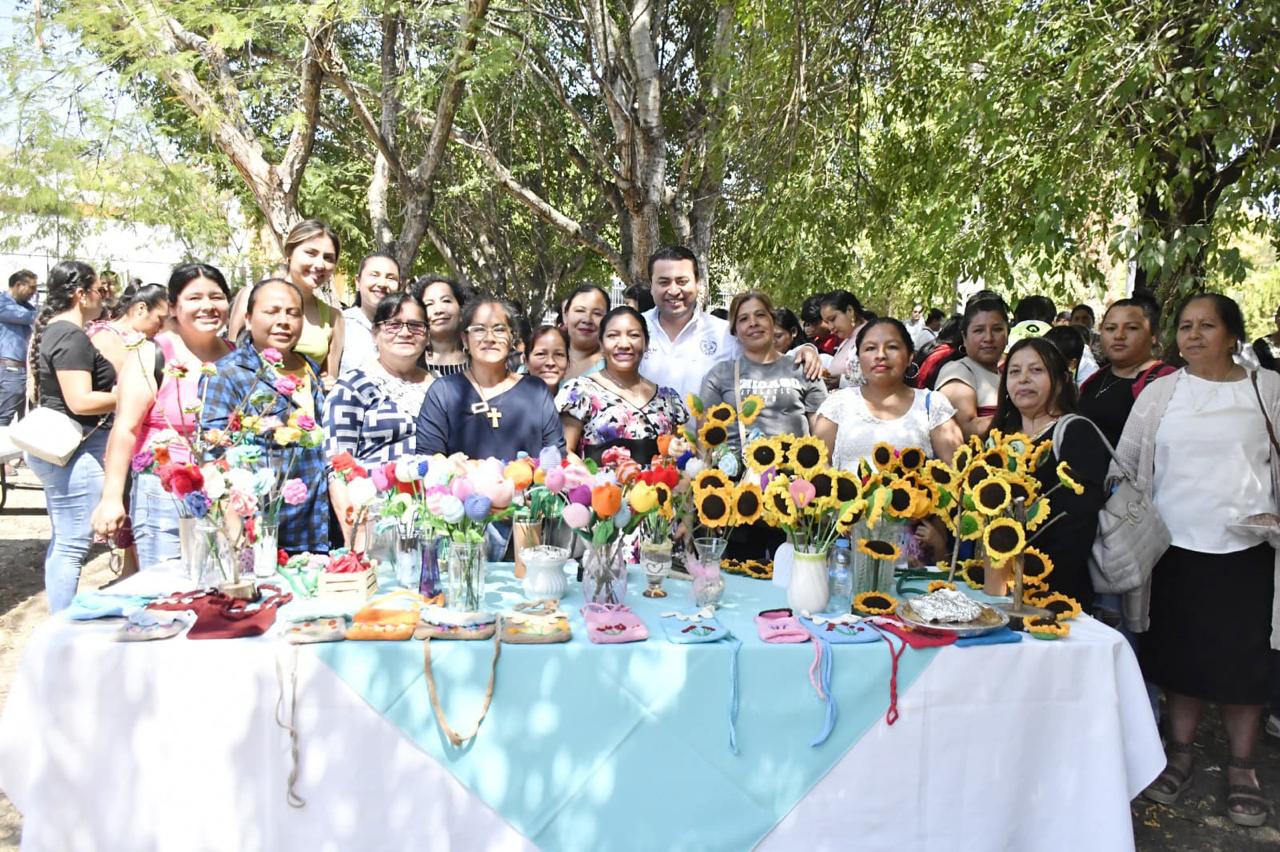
[(616, 406)]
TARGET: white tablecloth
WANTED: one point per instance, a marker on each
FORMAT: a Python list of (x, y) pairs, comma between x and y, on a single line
[(174, 745)]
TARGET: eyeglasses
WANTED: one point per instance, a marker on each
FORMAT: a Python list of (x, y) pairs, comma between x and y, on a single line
[(498, 332), (394, 327)]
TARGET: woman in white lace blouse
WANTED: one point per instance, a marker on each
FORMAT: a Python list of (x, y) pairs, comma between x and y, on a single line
[(884, 408)]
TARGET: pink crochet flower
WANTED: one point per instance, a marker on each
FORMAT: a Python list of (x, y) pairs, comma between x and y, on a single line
[(294, 492), (286, 385)]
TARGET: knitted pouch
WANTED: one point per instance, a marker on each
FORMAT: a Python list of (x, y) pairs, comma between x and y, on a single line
[(436, 622), (315, 630), (613, 624), (535, 623), (696, 627), (780, 627)]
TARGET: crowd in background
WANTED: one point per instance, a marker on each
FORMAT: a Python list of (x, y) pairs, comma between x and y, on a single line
[(425, 366)]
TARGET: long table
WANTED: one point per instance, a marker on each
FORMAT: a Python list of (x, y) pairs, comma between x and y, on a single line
[(178, 744)]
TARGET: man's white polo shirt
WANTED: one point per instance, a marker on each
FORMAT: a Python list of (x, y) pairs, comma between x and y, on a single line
[(684, 362)]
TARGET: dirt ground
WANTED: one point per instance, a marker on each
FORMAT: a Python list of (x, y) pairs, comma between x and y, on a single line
[(1197, 823)]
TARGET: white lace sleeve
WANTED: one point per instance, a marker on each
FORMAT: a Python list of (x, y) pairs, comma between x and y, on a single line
[(833, 407), (940, 409)]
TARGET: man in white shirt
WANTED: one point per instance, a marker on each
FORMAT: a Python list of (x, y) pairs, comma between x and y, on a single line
[(685, 342)]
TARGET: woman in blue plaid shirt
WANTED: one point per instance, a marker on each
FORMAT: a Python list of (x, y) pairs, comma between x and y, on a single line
[(273, 320)]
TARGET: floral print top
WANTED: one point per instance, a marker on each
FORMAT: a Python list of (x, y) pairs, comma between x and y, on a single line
[(607, 417)]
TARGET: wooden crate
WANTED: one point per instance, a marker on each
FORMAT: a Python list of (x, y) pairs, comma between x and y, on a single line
[(358, 587)]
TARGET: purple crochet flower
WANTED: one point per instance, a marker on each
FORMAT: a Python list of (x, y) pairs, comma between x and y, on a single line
[(197, 504), (580, 494), (142, 461), (477, 507)]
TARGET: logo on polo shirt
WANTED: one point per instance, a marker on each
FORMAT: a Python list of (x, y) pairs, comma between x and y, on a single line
[(709, 346)]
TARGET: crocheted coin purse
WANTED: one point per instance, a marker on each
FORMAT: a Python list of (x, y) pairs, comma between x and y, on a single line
[(436, 622), (390, 617), (534, 623), (686, 628), (613, 624), (780, 627)]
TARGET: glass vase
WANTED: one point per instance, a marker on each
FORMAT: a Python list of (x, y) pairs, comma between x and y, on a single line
[(465, 576), (878, 575), (604, 573), (408, 551), (524, 534), (207, 556), (655, 559), (264, 549), (704, 567)]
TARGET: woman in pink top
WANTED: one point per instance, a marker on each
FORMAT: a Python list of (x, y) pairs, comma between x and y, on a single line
[(151, 406)]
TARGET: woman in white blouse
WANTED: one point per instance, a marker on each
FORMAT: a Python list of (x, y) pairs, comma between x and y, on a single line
[(885, 408), (1203, 437)]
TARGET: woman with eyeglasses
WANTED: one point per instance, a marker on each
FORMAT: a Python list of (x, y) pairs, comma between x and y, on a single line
[(377, 278), (487, 410), (371, 411)]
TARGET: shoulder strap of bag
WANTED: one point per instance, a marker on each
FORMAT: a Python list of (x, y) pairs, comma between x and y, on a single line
[(1271, 431), (1060, 430), (737, 395), (454, 737)]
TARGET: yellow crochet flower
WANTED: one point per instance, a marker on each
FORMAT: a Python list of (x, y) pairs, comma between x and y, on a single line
[(1038, 512), (1037, 456), (715, 506), (973, 572), (943, 475), (710, 478), (762, 454), (748, 503), (878, 548), (941, 584), (976, 473), (1044, 627), (779, 508), (807, 456), (875, 603), (722, 414), (1003, 539), (713, 434), (991, 497), (666, 505), (1068, 480), (962, 457), (750, 409), (911, 459), (969, 526), (883, 457), (845, 487), (996, 458), (1036, 565), (850, 514), (1024, 486), (1062, 607), (694, 403)]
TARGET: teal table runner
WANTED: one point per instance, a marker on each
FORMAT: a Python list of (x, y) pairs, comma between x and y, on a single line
[(595, 746)]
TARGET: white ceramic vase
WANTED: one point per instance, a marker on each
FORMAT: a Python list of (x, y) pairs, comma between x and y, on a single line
[(544, 574), (808, 591)]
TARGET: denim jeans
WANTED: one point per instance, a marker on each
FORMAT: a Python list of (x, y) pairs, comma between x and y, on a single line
[(71, 493), (154, 513), (13, 388)]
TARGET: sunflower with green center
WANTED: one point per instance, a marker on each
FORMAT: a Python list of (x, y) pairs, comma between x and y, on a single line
[(1038, 512), (911, 459), (1017, 443), (878, 548), (1046, 627), (694, 403), (1004, 539), (1067, 478), (883, 456), (1037, 456), (991, 497), (807, 456), (713, 434), (1036, 565), (762, 454), (875, 603), (748, 503), (969, 526), (721, 413), (1062, 607), (937, 585), (750, 409), (710, 478), (714, 505)]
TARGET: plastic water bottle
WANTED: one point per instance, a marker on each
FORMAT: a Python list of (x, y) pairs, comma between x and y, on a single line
[(840, 577)]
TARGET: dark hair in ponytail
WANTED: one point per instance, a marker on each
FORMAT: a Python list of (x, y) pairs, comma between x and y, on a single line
[(151, 295), (65, 280)]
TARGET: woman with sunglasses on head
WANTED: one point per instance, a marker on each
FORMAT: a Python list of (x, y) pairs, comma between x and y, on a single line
[(487, 410), (377, 278), (444, 300), (371, 412), (616, 406), (311, 251), (274, 317), (150, 407), (69, 375)]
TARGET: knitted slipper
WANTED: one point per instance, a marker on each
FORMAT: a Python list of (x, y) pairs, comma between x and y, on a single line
[(613, 624), (780, 627)]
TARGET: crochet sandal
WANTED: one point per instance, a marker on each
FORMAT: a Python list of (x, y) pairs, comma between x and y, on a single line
[(1247, 796), (1172, 782)]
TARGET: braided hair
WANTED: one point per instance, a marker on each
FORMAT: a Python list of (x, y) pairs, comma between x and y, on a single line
[(65, 280)]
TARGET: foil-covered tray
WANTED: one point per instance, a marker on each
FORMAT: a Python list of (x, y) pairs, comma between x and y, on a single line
[(989, 620)]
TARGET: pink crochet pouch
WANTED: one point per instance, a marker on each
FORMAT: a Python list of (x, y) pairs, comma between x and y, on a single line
[(611, 624), (780, 626)]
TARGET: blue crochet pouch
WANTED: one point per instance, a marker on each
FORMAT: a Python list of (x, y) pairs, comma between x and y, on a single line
[(839, 629), (685, 628)]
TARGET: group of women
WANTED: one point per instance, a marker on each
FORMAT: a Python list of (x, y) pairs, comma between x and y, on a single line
[(421, 368)]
